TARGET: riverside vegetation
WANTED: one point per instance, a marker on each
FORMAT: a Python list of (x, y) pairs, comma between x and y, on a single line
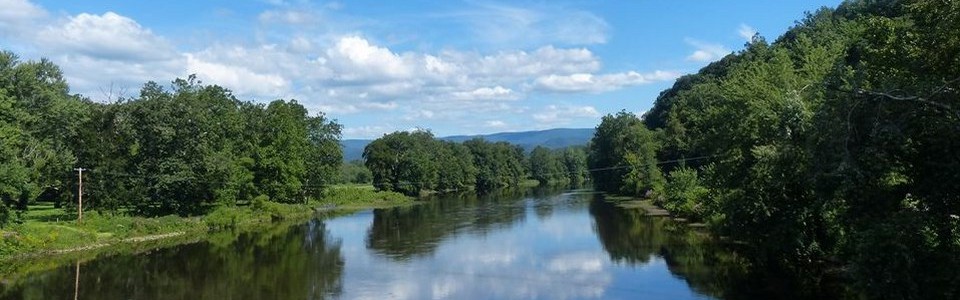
[(831, 151), (186, 158), (834, 149), (192, 157)]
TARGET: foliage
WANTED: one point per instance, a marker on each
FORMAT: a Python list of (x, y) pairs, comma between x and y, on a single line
[(622, 156), (401, 162), (352, 196), (180, 150), (684, 194), (415, 162), (833, 145), (545, 166), (355, 172), (498, 165), (38, 133)]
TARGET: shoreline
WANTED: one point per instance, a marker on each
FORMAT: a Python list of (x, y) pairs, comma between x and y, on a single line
[(650, 209), (40, 244)]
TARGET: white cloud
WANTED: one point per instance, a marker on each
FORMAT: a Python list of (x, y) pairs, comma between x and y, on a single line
[(746, 32), (365, 131), (562, 114), (486, 93), (513, 25), (357, 60), (294, 17), (18, 14), (705, 51), (495, 124), (577, 263), (109, 36), (242, 80), (95, 52), (89, 75), (522, 64), (380, 105), (335, 73), (585, 82), (419, 114)]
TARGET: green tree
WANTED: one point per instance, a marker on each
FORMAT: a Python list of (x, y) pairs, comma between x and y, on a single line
[(622, 156), (402, 162), (574, 165), (38, 128), (545, 166)]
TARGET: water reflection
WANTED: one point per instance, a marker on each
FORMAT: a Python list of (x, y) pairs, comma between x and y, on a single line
[(300, 262), (631, 237), (406, 232), (526, 244), (536, 244)]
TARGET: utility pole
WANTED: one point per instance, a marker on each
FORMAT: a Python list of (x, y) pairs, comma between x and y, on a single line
[(80, 195)]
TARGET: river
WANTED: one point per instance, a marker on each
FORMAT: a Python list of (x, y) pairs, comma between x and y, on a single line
[(533, 244)]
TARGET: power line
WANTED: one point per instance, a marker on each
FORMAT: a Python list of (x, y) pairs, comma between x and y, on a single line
[(400, 183)]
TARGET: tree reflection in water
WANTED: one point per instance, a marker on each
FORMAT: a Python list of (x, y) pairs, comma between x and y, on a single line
[(407, 232), (299, 262), (709, 266)]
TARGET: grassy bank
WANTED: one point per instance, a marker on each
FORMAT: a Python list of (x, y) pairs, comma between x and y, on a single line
[(48, 232), (649, 208)]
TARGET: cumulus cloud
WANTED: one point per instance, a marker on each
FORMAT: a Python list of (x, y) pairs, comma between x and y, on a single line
[(357, 59), (96, 52), (486, 93), (544, 60), (373, 131), (562, 114), (495, 124), (18, 14), (339, 73), (107, 36), (705, 51), (241, 80), (585, 82), (91, 76), (746, 32)]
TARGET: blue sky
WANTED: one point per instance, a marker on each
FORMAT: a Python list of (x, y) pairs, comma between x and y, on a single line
[(455, 67)]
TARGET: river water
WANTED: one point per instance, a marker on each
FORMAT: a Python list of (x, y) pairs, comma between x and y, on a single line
[(533, 244)]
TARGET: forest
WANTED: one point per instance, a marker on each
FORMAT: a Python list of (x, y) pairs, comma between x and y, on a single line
[(414, 163), (183, 149), (833, 148), (189, 148)]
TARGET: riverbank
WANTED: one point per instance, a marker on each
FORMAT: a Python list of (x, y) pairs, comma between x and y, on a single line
[(650, 209), (48, 232)]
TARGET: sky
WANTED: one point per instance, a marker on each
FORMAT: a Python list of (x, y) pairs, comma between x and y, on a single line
[(454, 67)]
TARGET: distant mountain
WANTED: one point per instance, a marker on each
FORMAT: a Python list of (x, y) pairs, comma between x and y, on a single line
[(353, 149), (550, 138)]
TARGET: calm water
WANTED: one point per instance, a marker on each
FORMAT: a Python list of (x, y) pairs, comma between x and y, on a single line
[(526, 245)]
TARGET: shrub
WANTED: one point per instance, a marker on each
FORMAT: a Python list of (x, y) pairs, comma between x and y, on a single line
[(684, 193)]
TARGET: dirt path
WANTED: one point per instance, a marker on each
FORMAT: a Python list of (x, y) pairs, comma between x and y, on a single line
[(646, 205), (137, 239)]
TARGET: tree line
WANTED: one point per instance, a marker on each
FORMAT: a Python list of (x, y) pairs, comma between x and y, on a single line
[(415, 162), (180, 149), (833, 147)]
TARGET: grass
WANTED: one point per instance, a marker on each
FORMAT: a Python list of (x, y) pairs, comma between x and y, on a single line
[(646, 205), (362, 196), (47, 231)]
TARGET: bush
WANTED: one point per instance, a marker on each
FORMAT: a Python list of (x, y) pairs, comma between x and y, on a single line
[(359, 195), (4, 215), (225, 217), (260, 201), (684, 193)]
